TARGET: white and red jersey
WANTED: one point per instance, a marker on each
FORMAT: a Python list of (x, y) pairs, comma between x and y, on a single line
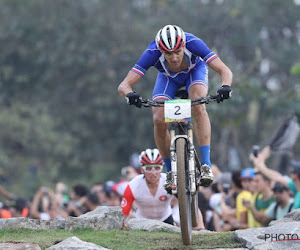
[(148, 206)]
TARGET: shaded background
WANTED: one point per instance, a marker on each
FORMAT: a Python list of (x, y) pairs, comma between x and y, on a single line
[(61, 62)]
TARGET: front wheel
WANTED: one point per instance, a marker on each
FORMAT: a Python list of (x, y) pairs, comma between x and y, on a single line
[(184, 197)]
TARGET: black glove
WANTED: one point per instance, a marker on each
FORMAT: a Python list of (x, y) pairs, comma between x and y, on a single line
[(224, 93), (134, 98)]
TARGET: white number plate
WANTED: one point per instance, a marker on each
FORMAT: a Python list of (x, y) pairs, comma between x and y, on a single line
[(177, 110)]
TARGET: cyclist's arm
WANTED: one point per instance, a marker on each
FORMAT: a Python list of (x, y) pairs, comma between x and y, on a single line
[(126, 85), (225, 73), (126, 205)]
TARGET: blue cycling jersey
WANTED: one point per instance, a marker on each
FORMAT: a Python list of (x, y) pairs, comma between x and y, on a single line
[(196, 50)]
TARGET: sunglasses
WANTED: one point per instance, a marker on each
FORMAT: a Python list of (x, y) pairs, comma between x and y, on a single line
[(152, 168)]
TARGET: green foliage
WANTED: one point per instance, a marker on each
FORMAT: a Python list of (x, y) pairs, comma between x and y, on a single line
[(61, 62)]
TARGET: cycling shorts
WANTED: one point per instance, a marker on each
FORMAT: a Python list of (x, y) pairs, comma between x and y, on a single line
[(167, 86)]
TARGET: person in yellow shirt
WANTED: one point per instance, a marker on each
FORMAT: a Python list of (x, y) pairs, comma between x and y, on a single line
[(262, 198), (241, 183)]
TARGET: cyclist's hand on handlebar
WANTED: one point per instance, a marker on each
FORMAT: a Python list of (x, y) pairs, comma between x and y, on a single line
[(224, 93), (134, 98)]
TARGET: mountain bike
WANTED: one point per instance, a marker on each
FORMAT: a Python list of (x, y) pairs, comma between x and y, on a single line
[(185, 163)]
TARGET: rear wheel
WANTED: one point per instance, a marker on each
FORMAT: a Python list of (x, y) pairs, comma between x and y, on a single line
[(184, 197)]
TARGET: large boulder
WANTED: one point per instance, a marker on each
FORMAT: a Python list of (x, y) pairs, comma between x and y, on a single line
[(282, 234)]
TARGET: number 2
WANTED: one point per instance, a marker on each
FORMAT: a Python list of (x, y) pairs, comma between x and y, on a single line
[(177, 111)]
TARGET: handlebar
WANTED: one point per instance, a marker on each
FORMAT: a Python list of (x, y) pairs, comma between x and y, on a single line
[(198, 101)]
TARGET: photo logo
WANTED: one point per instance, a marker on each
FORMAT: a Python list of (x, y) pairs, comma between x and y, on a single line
[(281, 237)]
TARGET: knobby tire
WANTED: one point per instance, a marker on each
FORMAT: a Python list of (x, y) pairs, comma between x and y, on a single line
[(195, 207), (184, 198)]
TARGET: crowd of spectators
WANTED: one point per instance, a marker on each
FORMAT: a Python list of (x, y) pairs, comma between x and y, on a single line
[(63, 201), (247, 198), (250, 197)]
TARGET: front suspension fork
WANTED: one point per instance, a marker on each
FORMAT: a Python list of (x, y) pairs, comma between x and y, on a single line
[(190, 157)]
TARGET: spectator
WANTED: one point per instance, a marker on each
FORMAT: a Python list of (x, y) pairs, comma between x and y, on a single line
[(77, 197), (224, 186), (224, 212), (128, 173), (20, 207), (263, 197), (283, 204), (113, 198), (50, 208), (215, 198), (293, 184), (98, 188), (204, 196), (241, 182), (5, 212), (206, 211), (90, 202), (62, 198)]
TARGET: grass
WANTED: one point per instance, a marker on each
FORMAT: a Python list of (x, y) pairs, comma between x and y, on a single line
[(117, 239)]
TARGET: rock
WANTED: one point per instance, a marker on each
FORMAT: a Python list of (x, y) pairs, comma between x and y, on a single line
[(154, 225), (203, 231), (280, 234), (74, 243), (267, 237), (19, 246), (151, 225), (102, 218)]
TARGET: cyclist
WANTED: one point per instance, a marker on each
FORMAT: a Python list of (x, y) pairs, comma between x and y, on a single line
[(181, 59), (151, 199)]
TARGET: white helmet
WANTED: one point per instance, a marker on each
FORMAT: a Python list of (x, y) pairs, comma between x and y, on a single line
[(170, 38)]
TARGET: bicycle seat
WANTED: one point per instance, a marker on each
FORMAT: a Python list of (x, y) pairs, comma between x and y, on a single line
[(181, 93)]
